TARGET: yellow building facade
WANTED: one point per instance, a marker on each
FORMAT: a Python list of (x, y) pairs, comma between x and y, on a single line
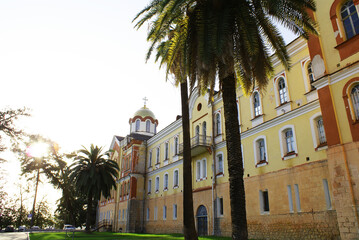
[(300, 144)]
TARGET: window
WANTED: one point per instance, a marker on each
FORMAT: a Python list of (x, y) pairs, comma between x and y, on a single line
[(119, 215), (220, 206), (148, 125), (261, 151), (155, 214), (123, 214), (321, 133), (327, 194), (150, 159), (354, 95), (219, 164), (310, 75), (175, 179), (166, 150), (350, 19), (282, 90), (256, 104), (158, 155), (165, 182), (149, 186), (204, 130), (218, 130), (204, 168), (174, 211), (197, 134), (176, 140), (290, 198), (264, 201), (297, 198), (138, 122), (198, 170), (164, 212), (157, 184), (148, 214), (155, 128), (289, 140)]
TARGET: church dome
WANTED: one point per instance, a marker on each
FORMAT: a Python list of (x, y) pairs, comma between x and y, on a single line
[(144, 112)]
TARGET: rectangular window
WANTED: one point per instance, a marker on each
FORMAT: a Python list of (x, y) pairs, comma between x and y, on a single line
[(198, 170), (150, 159), (158, 155), (148, 214), (149, 185), (174, 211), (327, 194), (264, 201), (297, 198), (166, 150), (175, 178), (290, 198), (220, 163), (123, 214), (176, 145), (119, 215), (220, 206), (164, 212), (204, 168), (155, 214)]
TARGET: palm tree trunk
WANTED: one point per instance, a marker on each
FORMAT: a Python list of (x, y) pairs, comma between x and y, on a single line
[(88, 214), (235, 161), (188, 215)]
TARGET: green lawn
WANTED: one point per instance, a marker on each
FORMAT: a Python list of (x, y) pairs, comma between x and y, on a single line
[(110, 236)]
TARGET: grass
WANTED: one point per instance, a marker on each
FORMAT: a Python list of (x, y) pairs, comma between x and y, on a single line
[(111, 236)]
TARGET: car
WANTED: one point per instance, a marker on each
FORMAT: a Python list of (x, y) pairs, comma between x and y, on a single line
[(35, 228), (69, 227), (22, 228), (9, 228)]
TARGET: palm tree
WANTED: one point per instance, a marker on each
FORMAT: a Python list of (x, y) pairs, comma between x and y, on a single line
[(94, 174), (230, 40)]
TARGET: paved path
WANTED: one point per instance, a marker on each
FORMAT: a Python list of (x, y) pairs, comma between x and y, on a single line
[(13, 236)]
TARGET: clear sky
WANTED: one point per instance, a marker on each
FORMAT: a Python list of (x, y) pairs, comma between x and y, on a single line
[(80, 66)]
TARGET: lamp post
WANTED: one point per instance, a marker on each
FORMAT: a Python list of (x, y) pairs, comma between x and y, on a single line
[(37, 151)]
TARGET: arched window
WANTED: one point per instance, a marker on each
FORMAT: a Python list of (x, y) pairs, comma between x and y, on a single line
[(148, 124), (176, 145), (204, 129), (350, 19), (149, 186), (175, 179), (165, 182), (289, 140), (261, 150), (157, 184), (354, 95), (320, 130), (218, 124), (197, 134), (220, 164), (310, 75), (282, 91), (256, 104), (138, 122)]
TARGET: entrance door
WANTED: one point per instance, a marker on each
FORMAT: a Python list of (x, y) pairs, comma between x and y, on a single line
[(202, 223)]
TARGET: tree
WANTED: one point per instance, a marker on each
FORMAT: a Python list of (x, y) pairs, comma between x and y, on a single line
[(7, 125), (230, 41), (93, 174)]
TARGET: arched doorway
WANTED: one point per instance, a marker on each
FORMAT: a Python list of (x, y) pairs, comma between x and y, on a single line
[(202, 226)]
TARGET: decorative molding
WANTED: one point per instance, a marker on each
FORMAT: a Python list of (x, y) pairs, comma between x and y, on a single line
[(281, 119)]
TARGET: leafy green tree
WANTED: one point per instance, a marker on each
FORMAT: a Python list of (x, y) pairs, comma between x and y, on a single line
[(94, 174), (230, 41)]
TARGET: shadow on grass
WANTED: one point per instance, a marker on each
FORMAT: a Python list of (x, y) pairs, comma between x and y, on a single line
[(111, 236)]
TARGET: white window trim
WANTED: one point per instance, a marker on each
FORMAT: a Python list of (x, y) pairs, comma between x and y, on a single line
[(304, 64), (219, 174), (276, 88), (178, 180), (158, 156), (261, 202), (217, 133), (350, 100), (164, 181), (282, 142), (157, 188), (252, 104), (218, 207), (204, 168), (256, 153), (315, 134), (198, 170), (149, 186)]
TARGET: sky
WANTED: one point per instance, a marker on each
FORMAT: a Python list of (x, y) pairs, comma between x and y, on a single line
[(79, 65)]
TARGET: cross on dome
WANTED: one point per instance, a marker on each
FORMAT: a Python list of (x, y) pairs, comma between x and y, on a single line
[(145, 100)]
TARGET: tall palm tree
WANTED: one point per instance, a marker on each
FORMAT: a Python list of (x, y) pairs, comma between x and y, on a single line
[(230, 40), (94, 174)]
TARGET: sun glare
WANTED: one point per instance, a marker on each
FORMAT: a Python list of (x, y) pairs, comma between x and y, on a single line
[(37, 150)]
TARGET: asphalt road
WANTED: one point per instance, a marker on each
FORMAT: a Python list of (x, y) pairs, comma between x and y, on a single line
[(13, 236)]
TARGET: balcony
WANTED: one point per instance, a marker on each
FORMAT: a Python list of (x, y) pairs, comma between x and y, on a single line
[(199, 144)]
